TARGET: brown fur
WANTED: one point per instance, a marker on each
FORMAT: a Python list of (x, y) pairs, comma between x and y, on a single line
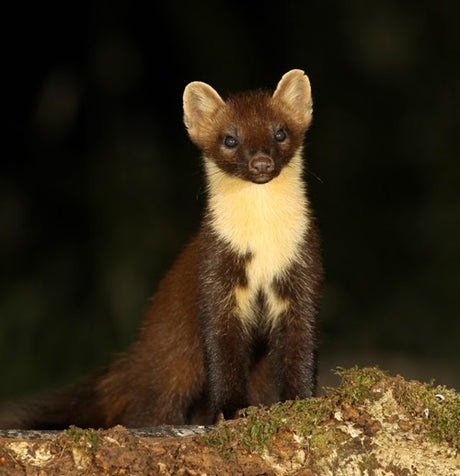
[(234, 321)]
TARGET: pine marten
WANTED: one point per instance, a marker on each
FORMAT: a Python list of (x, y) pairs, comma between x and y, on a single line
[(234, 321)]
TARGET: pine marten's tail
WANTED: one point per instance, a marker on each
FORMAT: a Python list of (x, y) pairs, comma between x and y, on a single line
[(76, 405)]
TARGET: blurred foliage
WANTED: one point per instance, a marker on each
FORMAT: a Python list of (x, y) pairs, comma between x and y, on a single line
[(100, 187)]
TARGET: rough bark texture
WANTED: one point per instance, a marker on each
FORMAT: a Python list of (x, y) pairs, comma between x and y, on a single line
[(371, 424)]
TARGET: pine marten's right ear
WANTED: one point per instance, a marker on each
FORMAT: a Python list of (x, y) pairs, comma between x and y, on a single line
[(201, 103)]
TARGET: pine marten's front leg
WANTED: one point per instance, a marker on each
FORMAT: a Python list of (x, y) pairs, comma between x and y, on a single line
[(226, 365)]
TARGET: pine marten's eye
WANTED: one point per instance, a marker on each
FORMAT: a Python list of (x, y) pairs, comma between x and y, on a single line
[(230, 142), (280, 135)]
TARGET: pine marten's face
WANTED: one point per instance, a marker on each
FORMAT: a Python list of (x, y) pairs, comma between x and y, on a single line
[(250, 135), (252, 138)]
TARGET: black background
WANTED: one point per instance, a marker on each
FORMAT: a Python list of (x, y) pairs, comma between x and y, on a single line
[(100, 186)]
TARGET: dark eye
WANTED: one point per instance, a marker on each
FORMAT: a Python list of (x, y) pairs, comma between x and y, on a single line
[(280, 135), (230, 142)]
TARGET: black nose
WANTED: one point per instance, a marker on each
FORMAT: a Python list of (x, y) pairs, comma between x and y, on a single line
[(261, 165)]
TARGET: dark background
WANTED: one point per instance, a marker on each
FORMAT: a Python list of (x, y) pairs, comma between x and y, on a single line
[(100, 186)]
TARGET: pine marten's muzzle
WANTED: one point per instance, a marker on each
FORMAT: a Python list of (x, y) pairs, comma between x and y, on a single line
[(261, 168)]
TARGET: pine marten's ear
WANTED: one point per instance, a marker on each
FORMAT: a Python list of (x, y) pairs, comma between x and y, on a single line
[(201, 103), (294, 93)]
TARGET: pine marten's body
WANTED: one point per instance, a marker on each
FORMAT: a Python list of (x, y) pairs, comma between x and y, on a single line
[(233, 322)]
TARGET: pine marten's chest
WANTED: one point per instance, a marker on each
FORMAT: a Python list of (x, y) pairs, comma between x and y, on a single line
[(266, 222)]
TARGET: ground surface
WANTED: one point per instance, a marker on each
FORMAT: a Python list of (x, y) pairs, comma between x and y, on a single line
[(371, 424)]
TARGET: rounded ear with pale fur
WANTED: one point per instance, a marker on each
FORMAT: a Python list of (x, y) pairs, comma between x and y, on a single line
[(201, 103), (294, 93)]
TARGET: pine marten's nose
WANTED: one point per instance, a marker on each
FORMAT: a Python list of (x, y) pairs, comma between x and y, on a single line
[(261, 165)]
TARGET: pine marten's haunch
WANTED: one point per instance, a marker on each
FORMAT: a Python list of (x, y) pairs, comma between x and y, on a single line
[(233, 322)]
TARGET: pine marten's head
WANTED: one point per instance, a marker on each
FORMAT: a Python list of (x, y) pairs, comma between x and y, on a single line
[(250, 135)]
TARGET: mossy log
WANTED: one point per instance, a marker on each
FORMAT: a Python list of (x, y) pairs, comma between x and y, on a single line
[(372, 423)]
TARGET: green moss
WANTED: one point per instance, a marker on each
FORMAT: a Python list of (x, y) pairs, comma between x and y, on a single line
[(84, 439), (305, 418), (261, 425), (253, 431), (437, 408), (309, 419), (221, 438), (357, 384)]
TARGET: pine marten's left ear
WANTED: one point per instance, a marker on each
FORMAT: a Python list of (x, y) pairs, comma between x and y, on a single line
[(201, 103), (294, 93)]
